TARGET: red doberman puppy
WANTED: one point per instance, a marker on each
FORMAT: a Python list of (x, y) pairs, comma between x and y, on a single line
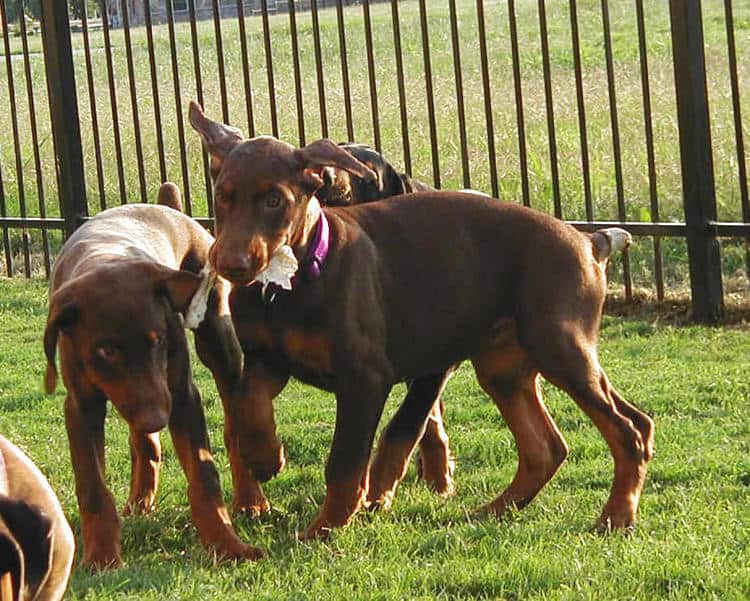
[(435, 463), (405, 288), (36, 542), (116, 294)]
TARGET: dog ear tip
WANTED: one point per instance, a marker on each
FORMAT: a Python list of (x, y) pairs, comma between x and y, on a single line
[(195, 112)]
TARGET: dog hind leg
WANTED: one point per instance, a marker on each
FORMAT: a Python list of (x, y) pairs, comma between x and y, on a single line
[(513, 384), (570, 362)]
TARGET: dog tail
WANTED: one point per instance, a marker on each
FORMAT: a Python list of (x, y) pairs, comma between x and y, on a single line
[(169, 196), (608, 241)]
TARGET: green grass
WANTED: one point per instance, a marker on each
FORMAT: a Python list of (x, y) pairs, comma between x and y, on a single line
[(691, 542), (629, 94)]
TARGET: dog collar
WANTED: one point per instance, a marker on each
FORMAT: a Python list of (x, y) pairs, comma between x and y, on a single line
[(311, 266)]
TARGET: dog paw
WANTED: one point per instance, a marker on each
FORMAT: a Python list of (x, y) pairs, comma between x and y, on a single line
[(98, 561), (318, 530), (138, 506), (253, 509), (615, 521), (437, 472), (380, 502), (241, 552)]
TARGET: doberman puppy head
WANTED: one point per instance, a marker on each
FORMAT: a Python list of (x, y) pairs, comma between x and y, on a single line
[(342, 188), (117, 324), (263, 189)]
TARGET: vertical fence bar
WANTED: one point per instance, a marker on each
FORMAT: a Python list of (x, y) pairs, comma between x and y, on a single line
[(371, 75), (269, 69), (113, 102), (487, 93), (456, 43), (585, 168), (178, 108), (430, 94), (319, 69), (16, 141), (616, 150), (548, 102), (401, 90), (246, 67), (345, 70), (520, 126), (741, 167), (7, 249), (220, 60), (35, 141), (199, 92), (155, 91), (64, 112), (696, 158), (134, 102), (651, 160), (297, 73), (92, 105)]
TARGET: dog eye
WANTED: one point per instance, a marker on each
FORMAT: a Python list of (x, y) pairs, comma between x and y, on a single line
[(108, 352), (273, 202)]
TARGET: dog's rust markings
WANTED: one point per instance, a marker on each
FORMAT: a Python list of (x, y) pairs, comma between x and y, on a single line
[(409, 288), (435, 463), (6, 587), (117, 291), (145, 465), (311, 349)]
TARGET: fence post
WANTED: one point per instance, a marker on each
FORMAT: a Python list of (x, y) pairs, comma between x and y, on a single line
[(66, 128), (697, 161)]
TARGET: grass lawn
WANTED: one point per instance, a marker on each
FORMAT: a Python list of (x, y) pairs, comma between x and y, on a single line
[(629, 104), (692, 540)]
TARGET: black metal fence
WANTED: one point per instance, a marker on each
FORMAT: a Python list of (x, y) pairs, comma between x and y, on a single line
[(595, 111)]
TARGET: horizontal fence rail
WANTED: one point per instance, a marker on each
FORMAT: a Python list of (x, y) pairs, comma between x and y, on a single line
[(585, 109)]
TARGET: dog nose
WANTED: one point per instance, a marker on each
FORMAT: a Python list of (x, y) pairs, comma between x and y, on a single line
[(237, 268)]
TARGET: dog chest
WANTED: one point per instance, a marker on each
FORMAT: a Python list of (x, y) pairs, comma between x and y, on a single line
[(306, 351)]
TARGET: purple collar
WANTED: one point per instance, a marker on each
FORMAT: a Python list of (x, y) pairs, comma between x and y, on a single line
[(311, 266), (317, 251)]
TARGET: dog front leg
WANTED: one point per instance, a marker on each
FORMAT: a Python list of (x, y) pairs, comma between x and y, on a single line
[(188, 428), (100, 523), (359, 404), (145, 465), (255, 449)]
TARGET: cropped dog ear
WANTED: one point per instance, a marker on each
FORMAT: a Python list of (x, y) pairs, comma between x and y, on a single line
[(62, 314), (324, 153), (179, 286), (218, 138), (28, 534)]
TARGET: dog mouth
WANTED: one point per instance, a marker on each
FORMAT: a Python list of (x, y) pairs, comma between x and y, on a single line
[(239, 277)]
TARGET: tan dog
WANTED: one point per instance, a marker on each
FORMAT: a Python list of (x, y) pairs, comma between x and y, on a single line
[(117, 292), (36, 542), (404, 289)]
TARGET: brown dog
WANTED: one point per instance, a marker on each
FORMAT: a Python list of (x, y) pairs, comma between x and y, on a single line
[(406, 288), (435, 463), (36, 542), (116, 294)]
